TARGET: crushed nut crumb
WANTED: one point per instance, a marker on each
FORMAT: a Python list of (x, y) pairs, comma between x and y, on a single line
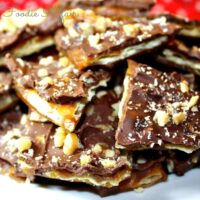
[(71, 143), (24, 143), (161, 117)]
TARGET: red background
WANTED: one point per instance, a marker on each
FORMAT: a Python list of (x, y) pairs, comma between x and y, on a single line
[(187, 8)]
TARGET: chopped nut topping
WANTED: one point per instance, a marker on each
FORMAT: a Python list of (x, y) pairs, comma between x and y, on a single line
[(63, 72), (24, 119), (21, 62), (102, 23), (46, 61), (161, 117), (38, 158), (86, 28), (115, 108), (46, 81), (194, 109), (85, 159), (42, 72), (54, 159), (30, 152), (72, 32), (184, 86), (118, 90), (109, 153), (71, 143), (193, 101), (97, 148), (64, 61), (130, 29), (24, 144), (179, 117), (59, 137), (94, 40), (69, 125), (108, 163)]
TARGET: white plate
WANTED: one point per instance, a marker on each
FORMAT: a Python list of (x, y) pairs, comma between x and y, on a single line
[(177, 188)]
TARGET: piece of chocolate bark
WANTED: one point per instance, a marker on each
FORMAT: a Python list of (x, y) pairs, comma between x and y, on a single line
[(55, 88), (112, 8), (23, 33), (90, 39), (158, 110), (45, 150), (180, 55)]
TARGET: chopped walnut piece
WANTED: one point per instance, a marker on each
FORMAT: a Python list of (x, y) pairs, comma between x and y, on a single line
[(102, 23), (94, 40), (109, 153), (64, 61), (59, 137), (46, 61), (24, 119), (86, 28), (72, 32), (71, 143), (179, 117), (97, 148), (20, 61), (184, 86), (46, 81), (130, 29), (107, 163), (193, 101), (55, 159), (85, 159), (161, 117), (24, 143), (42, 72)]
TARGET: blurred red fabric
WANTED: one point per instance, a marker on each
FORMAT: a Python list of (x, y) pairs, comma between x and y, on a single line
[(186, 8)]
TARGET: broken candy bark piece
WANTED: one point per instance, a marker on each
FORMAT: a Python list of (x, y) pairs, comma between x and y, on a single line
[(89, 39), (158, 110)]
